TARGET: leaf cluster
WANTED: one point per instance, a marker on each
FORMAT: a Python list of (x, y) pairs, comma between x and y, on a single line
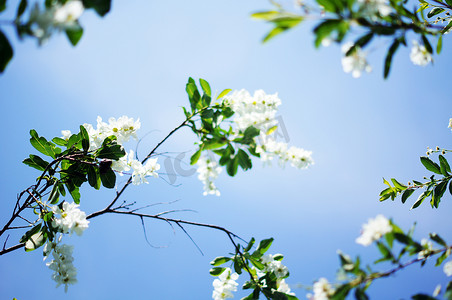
[(232, 148), (245, 259), (434, 188), (24, 27)]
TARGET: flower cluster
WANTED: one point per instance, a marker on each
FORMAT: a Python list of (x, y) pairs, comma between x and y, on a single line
[(140, 171), (274, 266), (271, 149), (419, 55), (355, 62), (225, 285), (374, 230), (122, 128), (322, 290), (372, 8), (208, 170), (258, 110), (64, 271), (58, 17), (69, 218)]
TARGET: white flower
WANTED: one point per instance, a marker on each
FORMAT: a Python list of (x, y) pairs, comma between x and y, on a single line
[(373, 7), (55, 18), (419, 55), (140, 172), (428, 247), (374, 230), (69, 13), (274, 266), (66, 134), (448, 268), (322, 290), (122, 128), (225, 285), (450, 123), (258, 110), (271, 149), (65, 272), (355, 62), (283, 287), (70, 218), (208, 171)]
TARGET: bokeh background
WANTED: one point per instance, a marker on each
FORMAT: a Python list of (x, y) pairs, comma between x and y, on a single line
[(136, 61)]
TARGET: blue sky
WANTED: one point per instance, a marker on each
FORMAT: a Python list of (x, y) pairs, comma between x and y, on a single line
[(136, 62)]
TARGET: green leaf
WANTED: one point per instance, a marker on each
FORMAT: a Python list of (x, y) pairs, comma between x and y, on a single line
[(108, 178), (85, 138), (407, 193), (420, 199), (195, 157), (398, 185), (449, 2), (448, 294), (94, 177), (250, 245), (102, 7), (364, 40), (36, 162), (438, 192), (244, 160), (324, 30), (216, 271), (193, 95), (330, 5), (114, 152), (21, 8), (435, 11), (74, 191), (74, 34), (59, 141), (54, 194), (257, 263), (264, 245), (435, 237), (2, 5), (41, 144), (439, 45), (265, 15), (388, 60), (430, 165), (220, 260), (248, 136), (403, 238), (6, 52), (447, 27), (232, 166), (205, 87), (283, 22), (29, 233), (427, 44), (274, 32), (35, 241), (444, 165), (223, 93)]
